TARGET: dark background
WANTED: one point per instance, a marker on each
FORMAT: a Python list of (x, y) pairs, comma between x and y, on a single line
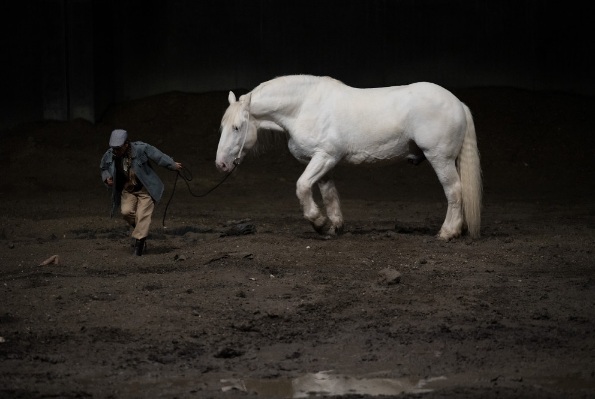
[(509, 315), (68, 59)]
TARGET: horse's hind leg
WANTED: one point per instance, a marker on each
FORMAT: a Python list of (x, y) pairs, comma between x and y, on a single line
[(451, 183), (330, 197), (318, 167)]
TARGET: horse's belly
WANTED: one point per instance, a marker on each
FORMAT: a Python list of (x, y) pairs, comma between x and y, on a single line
[(379, 154), (370, 159)]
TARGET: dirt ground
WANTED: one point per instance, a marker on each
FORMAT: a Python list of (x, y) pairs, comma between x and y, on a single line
[(383, 309)]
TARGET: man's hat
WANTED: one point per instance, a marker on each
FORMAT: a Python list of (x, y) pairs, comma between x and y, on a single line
[(118, 138)]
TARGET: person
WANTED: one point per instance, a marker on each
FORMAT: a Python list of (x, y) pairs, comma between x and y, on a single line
[(136, 188)]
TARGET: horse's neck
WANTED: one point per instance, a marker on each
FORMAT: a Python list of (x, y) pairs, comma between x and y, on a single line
[(278, 100)]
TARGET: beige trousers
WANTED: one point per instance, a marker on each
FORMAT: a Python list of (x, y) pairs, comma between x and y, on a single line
[(137, 210)]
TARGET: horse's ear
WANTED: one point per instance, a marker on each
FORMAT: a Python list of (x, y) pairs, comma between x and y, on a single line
[(231, 98)]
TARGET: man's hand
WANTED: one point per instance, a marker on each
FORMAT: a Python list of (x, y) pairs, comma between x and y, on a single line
[(178, 165), (109, 181)]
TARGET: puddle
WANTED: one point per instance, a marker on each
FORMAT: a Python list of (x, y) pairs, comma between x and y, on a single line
[(329, 384)]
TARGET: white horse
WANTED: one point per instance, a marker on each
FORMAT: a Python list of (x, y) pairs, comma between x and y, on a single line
[(328, 123)]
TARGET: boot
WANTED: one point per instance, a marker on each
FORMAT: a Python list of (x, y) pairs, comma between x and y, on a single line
[(139, 247)]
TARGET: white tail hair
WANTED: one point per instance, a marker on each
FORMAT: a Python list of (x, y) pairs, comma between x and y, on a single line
[(469, 170)]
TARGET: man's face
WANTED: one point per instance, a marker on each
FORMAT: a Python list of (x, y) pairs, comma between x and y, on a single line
[(119, 151)]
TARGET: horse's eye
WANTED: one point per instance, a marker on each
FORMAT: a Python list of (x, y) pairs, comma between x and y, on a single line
[(235, 128)]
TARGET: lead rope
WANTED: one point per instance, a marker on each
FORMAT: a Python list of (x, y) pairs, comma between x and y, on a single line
[(187, 177)]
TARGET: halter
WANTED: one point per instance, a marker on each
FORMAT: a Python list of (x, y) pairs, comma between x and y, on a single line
[(236, 160)]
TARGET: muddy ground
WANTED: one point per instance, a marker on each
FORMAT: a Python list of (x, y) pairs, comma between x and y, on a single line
[(209, 314)]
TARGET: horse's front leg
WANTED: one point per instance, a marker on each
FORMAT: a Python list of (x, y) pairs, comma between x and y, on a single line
[(330, 197), (318, 167)]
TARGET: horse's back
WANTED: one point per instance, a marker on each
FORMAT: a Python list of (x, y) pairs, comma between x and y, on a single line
[(423, 112), (415, 97), (392, 103)]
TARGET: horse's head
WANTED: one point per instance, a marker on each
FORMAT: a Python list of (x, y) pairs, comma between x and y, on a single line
[(238, 133)]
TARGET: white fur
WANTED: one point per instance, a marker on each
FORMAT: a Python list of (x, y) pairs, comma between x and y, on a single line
[(329, 122)]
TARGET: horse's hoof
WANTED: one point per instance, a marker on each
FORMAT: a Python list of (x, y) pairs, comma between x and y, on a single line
[(444, 236), (327, 232), (338, 230), (334, 230), (327, 229)]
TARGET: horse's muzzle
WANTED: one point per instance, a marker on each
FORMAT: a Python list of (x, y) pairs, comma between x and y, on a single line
[(222, 166)]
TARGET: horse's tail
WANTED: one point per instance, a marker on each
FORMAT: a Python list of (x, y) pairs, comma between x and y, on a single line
[(469, 170)]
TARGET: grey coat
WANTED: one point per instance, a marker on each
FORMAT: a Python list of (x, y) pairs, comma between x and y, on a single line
[(141, 153)]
